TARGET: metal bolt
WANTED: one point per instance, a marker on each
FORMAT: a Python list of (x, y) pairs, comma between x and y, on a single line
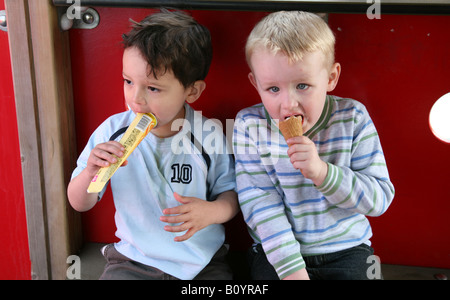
[(88, 18), (3, 25)]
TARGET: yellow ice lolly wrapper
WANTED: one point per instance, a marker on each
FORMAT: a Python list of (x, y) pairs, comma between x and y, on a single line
[(139, 128)]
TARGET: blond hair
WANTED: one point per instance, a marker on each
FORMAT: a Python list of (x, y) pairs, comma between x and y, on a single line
[(294, 33)]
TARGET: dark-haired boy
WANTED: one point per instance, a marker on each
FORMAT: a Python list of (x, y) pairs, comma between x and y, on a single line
[(165, 62)]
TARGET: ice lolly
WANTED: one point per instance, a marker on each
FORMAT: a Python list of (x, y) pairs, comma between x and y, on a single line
[(291, 127), (139, 128)]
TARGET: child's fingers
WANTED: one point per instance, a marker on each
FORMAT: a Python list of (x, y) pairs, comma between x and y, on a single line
[(298, 140), (189, 233), (176, 228), (177, 210), (105, 156), (185, 236), (184, 215), (174, 219), (181, 199), (180, 209), (100, 158), (106, 153), (112, 147), (299, 143), (180, 228)]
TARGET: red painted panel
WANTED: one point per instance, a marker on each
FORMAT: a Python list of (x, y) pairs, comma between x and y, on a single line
[(396, 66), (15, 257)]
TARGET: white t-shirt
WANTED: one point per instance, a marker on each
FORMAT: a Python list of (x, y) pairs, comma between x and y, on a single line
[(194, 163)]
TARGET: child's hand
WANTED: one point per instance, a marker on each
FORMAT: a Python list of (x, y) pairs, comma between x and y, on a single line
[(103, 155), (304, 157), (194, 214)]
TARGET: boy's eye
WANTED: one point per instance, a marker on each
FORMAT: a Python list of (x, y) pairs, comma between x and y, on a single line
[(153, 89), (127, 81), (302, 86), (274, 89)]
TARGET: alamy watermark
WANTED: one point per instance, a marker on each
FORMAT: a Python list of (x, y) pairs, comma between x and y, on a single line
[(209, 137), (374, 10), (74, 270), (74, 11), (373, 270)]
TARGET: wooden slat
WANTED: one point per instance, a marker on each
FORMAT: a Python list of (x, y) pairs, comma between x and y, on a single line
[(29, 135), (43, 91)]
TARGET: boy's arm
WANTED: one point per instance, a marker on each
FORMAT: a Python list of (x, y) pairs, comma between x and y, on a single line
[(261, 204), (196, 214), (226, 207), (101, 155), (364, 186), (77, 193)]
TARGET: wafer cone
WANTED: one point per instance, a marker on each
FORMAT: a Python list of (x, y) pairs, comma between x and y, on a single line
[(291, 127)]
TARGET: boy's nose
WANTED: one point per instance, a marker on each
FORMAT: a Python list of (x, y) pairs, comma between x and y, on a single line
[(290, 100), (139, 97)]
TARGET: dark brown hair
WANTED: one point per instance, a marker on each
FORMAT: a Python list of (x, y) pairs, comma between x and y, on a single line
[(172, 40)]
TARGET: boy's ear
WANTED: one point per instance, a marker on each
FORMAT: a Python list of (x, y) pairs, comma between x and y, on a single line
[(334, 76), (195, 90), (252, 79)]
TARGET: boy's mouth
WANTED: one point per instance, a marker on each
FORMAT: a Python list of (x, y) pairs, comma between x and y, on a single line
[(295, 116)]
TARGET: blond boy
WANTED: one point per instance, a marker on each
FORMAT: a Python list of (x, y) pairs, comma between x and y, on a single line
[(308, 224)]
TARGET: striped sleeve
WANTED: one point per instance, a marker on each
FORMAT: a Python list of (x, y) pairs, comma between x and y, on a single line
[(363, 186), (261, 203)]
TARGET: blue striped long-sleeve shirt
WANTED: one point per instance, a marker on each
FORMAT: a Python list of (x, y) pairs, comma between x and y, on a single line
[(286, 212)]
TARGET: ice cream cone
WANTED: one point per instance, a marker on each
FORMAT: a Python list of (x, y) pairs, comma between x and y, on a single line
[(291, 127)]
